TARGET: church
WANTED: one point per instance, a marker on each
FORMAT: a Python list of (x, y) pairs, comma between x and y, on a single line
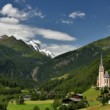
[(103, 79)]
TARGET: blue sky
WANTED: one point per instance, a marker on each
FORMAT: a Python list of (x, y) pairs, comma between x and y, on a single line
[(60, 25)]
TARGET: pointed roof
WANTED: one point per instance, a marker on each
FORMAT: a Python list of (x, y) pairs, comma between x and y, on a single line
[(101, 61), (106, 75)]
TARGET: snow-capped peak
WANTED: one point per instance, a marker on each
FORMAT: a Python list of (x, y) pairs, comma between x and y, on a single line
[(37, 46)]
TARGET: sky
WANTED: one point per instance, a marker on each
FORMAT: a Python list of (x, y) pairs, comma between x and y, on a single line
[(58, 25)]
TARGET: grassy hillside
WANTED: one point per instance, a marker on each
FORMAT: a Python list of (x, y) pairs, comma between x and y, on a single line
[(92, 95)]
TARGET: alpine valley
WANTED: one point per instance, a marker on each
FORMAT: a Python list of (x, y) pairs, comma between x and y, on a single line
[(33, 66)]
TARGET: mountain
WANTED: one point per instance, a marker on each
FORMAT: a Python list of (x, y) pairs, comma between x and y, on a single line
[(75, 70), (18, 60), (37, 47)]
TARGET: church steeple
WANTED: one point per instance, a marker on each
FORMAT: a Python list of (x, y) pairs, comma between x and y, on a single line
[(101, 73), (101, 61)]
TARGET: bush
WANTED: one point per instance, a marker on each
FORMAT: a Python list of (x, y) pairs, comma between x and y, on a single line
[(36, 108), (20, 100), (3, 105), (63, 107), (81, 104), (72, 106), (47, 108)]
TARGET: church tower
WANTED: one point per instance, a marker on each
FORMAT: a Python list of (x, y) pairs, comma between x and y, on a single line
[(101, 74)]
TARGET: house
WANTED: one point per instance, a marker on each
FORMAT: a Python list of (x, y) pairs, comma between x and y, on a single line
[(76, 98), (103, 79), (27, 97), (69, 100)]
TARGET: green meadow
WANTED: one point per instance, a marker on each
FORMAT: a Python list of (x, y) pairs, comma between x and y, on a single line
[(29, 105)]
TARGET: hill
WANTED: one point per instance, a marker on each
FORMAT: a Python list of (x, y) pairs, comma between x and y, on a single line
[(92, 95), (81, 67)]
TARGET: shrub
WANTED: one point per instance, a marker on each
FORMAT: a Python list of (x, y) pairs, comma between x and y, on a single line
[(81, 104), (20, 100), (63, 107), (47, 108), (3, 105), (36, 108)]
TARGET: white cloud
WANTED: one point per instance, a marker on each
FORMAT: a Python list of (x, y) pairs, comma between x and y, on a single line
[(60, 49), (72, 16), (10, 11), (56, 35), (26, 33), (9, 20), (77, 14), (66, 21), (37, 13)]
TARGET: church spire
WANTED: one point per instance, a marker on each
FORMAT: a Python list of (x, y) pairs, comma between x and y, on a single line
[(101, 61)]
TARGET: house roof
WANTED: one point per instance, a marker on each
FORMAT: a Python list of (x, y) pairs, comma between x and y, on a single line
[(79, 94), (106, 75), (75, 99)]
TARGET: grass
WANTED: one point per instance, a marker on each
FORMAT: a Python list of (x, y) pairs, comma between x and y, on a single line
[(61, 77), (92, 95), (29, 105), (98, 107)]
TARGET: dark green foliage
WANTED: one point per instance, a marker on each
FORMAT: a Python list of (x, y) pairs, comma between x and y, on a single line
[(43, 96), (3, 105), (57, 102), (73, 106), (20, 100), (104, 97), (63, 107), (36, 108), (81, 104), (47, 108), (34, 96)]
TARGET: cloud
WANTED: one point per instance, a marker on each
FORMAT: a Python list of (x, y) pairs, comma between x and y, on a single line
[(19, 1), (66, 21), (37, 13), (9, 20), (55, 35), (77, 14), (72, 16), (60, 49), (10, 11), (26, 33)]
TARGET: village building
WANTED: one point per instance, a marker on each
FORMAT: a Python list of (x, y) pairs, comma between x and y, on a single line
[(75, 98), (27, 97), (103, 79)]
